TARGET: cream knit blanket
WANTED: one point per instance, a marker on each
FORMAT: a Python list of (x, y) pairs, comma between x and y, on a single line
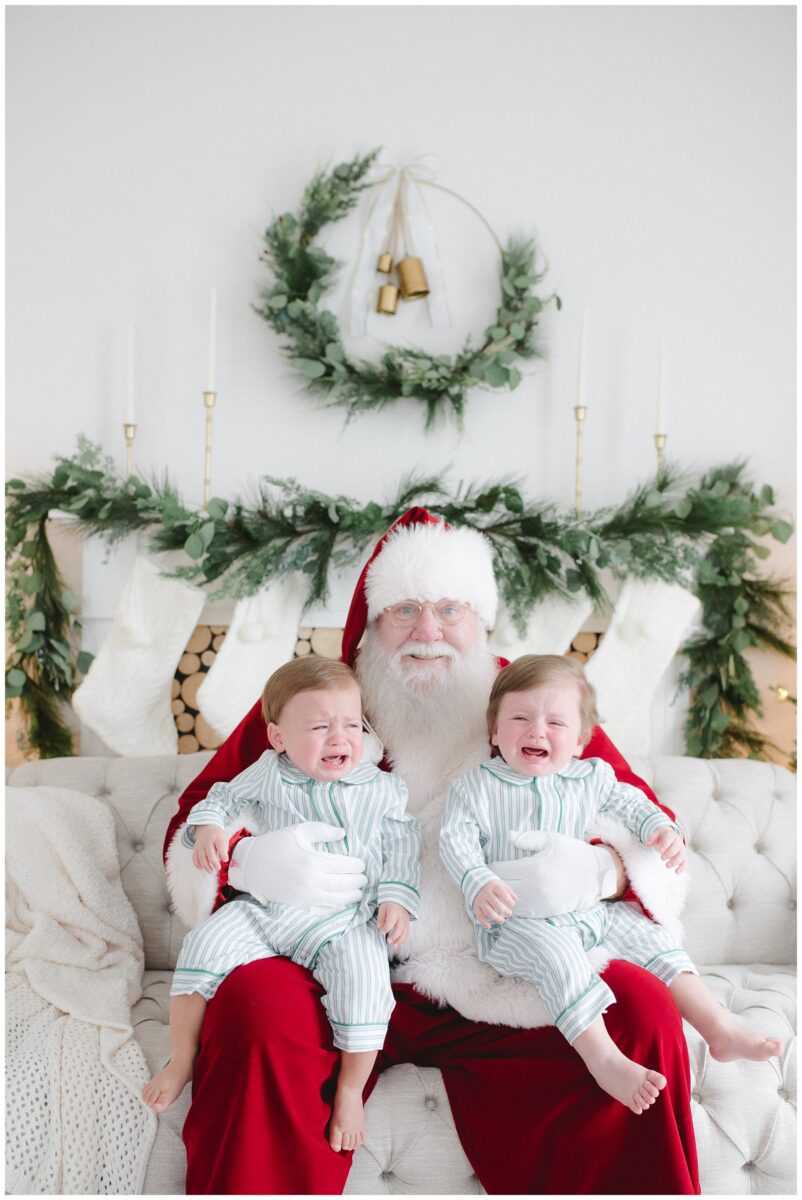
[(74, 1121)]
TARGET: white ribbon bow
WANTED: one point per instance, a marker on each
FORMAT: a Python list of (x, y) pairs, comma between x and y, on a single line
[(398, 197)]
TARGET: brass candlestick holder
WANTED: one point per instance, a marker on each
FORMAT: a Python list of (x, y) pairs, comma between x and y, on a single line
[(660, 440), (209, 399), (580, 412), (129, 431)]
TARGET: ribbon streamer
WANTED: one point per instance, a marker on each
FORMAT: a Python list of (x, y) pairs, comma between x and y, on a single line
[(398, 209)]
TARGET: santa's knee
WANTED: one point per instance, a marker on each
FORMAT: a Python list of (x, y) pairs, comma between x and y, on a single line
[(268, 1003), (644, 1012)]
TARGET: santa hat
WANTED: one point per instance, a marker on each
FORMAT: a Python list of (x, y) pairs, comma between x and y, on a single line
[(422, 558)]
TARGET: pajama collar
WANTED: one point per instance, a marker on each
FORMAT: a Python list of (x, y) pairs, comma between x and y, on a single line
[(573, 769), (362, 773)]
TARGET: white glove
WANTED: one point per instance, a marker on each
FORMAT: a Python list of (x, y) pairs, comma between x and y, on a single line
[(563, 875), (283, 866)]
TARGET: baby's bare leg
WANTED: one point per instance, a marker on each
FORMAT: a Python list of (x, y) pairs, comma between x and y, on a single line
[(726, 1040), (186, 1019), (619, 1076), (347, 1128)]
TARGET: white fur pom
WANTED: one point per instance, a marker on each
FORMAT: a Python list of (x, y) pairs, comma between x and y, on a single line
[(431, 562)]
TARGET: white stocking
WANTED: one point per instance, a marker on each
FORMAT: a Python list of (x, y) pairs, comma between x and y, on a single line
[(650, 622), (125, 697), (550, 628), (261, 636)]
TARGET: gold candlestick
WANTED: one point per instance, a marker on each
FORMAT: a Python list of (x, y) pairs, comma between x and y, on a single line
[(209, 399), (660, 440), (130, 433), (580, 412)]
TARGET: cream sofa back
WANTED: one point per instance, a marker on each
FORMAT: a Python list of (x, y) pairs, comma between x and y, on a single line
[(738, 816)]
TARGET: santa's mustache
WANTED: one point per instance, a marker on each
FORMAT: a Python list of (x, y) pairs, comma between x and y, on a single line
[(425, 650)]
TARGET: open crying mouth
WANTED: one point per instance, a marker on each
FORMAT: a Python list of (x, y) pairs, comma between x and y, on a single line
[(535, 752)]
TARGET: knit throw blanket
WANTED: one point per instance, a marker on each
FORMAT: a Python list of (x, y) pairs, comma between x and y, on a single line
[(74, 1121)]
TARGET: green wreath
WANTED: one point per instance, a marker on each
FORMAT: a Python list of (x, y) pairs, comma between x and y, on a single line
[(303, 270)]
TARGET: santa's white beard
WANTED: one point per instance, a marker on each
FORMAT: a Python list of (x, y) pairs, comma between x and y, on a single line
[(428, 718), (432, 722)]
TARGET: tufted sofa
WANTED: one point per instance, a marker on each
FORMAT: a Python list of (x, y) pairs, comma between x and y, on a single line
[(739, 819)]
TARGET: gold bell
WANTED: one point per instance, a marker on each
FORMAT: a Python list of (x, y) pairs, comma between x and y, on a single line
[(412, 277), (385, 263), (388, 299)]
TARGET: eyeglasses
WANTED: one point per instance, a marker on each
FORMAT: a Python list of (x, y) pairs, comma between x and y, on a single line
[(408, 612)]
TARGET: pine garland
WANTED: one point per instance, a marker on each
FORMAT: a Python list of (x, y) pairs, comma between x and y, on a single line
[(302, 271), (701, 536)]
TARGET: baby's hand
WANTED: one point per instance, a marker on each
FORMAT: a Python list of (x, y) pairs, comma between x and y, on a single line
[(671, 848), (393, 922), (494, 903), (211, 848)]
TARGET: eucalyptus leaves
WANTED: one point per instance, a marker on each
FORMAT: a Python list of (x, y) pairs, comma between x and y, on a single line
[(702, 536), (312, 340)]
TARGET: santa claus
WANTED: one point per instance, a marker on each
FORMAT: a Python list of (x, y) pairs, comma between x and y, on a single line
[(530, 1118)]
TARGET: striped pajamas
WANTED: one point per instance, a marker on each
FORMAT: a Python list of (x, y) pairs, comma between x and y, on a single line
[(493, 799), (344, 949)]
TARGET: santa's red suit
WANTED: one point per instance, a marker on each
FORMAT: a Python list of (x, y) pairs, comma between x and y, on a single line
[(530, 1117)]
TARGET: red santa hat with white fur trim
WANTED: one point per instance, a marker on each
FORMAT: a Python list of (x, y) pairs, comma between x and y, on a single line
[(423, 558)]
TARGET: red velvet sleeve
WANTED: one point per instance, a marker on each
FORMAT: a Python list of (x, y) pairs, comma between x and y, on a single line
[(238, 751), (600, 746)]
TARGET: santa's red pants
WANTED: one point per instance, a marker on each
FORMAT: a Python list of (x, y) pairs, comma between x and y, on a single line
[(530, 1117)]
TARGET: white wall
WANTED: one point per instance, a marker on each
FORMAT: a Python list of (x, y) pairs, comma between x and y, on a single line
[(651, 148)]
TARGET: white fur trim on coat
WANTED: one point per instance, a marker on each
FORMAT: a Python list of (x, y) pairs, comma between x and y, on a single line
[(661, 891), (431, 562), (193, 891)]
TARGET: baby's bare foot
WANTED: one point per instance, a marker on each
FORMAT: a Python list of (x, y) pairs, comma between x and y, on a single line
[(347, 1128), (626, 1081), (167, 1084), (737, 1042)]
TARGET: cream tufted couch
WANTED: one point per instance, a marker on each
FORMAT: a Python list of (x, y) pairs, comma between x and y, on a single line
[(739, 818)]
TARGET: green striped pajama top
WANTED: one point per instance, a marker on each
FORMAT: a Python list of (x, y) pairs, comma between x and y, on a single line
[(369, 804), (491, 800)]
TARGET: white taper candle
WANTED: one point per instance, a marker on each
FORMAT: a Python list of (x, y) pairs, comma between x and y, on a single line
[(661, 390), (130, 412), (210, 374), (581, 379)]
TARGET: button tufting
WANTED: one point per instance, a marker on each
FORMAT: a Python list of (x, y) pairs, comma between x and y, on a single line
[(730, 903), (749, 1166), (138, 847), (697, 1096), (782, 1093), (431, 1102), (792, 905)]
